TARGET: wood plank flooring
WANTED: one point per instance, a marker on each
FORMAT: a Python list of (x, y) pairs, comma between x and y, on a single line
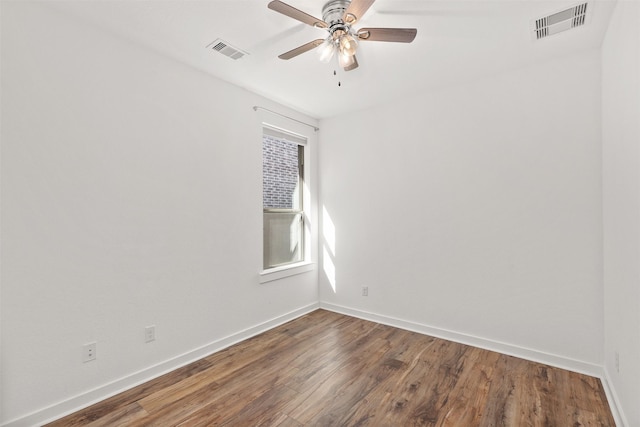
[(327, 369)]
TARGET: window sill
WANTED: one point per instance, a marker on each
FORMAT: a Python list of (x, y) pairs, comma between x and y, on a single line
[(285, 271)]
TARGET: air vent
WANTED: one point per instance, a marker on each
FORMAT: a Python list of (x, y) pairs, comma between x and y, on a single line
[(224, 48), (560, 21)]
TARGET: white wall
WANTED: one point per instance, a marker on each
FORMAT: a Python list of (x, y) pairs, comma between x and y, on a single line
[(621, 188), (474, 212), (131, 196)]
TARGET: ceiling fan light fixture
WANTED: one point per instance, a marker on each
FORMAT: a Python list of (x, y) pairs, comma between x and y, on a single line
[(326, 50), (348, 44), (345, 61)]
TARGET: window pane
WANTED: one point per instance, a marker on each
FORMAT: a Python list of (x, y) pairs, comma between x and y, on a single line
[(283, 215), (283, 238), (280, 174)]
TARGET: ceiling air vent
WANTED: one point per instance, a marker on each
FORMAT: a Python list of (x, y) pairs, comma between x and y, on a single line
[(224, 48), (560, 21)]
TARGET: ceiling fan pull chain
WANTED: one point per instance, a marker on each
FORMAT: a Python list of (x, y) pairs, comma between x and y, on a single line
[(339, 82)]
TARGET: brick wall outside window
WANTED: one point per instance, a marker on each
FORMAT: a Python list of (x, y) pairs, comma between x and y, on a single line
[(279, 172)]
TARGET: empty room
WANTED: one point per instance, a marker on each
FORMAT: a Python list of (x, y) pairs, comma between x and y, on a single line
[(320, 213)]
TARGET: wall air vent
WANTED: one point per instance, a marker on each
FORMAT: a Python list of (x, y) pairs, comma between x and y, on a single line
[(224, 48), (560, 21)]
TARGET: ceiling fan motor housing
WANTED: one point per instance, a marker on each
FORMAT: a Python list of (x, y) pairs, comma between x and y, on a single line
[(333, 14)]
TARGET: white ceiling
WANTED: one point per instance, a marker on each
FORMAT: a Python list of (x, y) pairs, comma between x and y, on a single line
[(457, 41)]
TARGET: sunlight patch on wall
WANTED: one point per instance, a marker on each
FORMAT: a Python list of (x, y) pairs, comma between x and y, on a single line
[(328, 248), (329, 268), (328, 231)]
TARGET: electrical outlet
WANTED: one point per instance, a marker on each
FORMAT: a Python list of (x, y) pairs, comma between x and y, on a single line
[(365, 291), (150, 333), (617, 359), (89, 352)]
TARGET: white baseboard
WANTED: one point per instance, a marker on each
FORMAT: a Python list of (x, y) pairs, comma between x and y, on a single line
[(105, 391), (579, 366), (614, 402), (500, 347)]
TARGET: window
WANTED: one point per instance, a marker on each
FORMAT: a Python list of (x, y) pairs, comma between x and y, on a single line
[(282, 198)]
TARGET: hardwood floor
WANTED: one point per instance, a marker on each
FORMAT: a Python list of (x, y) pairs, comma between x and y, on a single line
[(326, 369)]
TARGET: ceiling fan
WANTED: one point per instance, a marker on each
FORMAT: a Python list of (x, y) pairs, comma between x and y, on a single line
[(338, 17)]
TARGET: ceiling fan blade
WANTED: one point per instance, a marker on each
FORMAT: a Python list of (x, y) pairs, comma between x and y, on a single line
[(356, 9), (301, 49), (294, 13), (400, 35), (353, 65)]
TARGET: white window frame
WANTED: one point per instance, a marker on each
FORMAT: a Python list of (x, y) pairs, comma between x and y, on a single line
[(304, 138)]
